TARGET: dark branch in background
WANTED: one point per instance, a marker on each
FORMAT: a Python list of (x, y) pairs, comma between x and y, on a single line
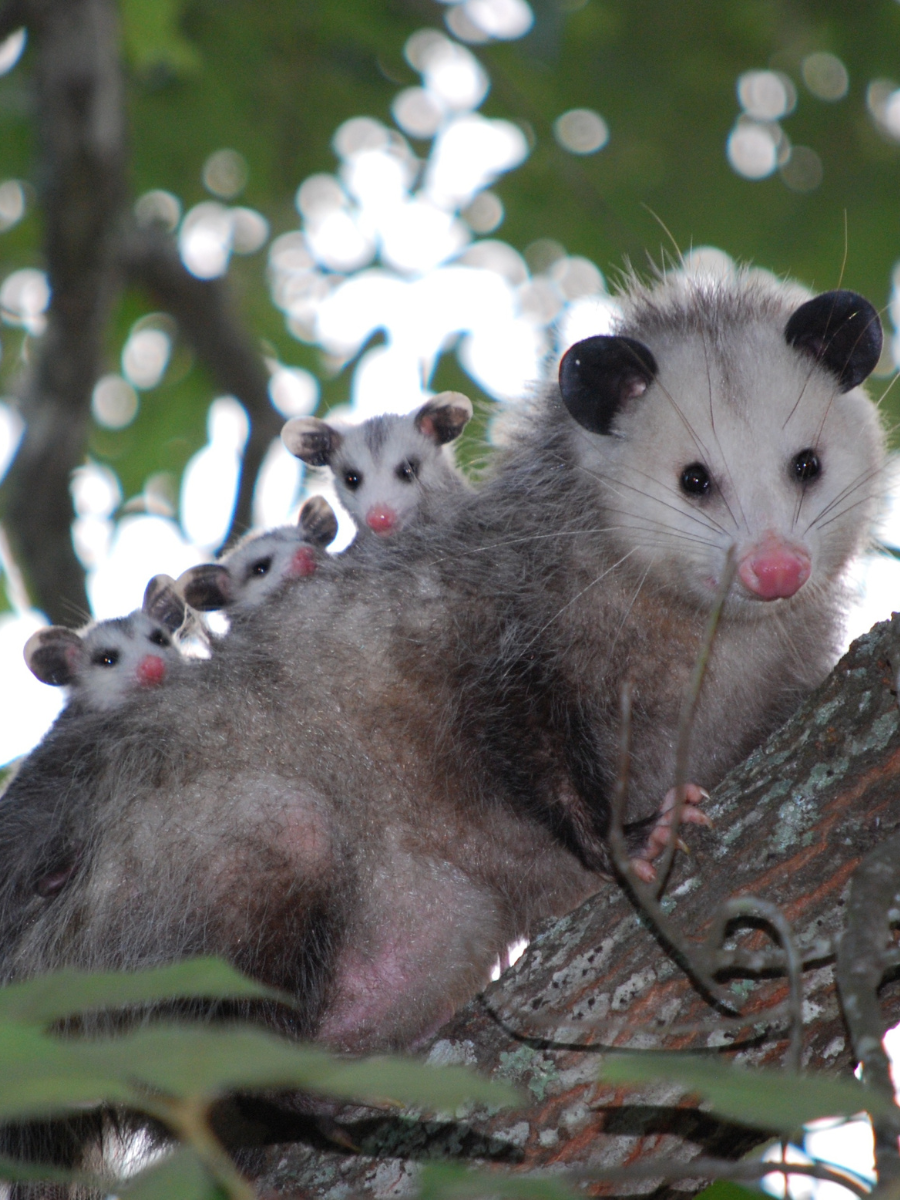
[(860, 972), (12, 17), (203, 311), (78, 94), (88, 249)]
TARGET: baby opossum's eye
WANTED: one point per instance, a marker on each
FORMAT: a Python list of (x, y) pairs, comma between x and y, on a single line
[(262, 566), (158, 638), (695, 480), (408, 470), (352, 479), (806, 466), (105, 658)]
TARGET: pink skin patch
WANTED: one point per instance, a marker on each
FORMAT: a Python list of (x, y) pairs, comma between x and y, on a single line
[(151, 670), (303, 562), (661, 834), (774, 570), (381, 520)]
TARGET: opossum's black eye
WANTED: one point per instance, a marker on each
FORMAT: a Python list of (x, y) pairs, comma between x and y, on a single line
[(352, 479), (105, 658), (158, 638), (408, 470), (806, 466), (262, 566), (695, 480)]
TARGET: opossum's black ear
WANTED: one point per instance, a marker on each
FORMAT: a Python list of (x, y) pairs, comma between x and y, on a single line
[(54, 655), (444, 417), (318, 522), (207, 587), (601, 374), (163, 602), (311, 439), (842, 331)]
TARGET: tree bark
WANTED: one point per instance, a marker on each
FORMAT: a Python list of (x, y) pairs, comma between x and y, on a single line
[(791, 824)]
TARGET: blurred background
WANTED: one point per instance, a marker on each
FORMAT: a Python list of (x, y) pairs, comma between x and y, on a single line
[(216, 214)]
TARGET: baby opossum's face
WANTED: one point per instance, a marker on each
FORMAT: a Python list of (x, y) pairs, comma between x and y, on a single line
[(382, 470), (386, 468), (740, 439), (263, 563), (107, 662)]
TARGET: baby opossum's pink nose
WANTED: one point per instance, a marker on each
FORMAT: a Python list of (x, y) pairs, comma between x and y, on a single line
[(303, 562), (381, 520), (775, 570), (151, 670)]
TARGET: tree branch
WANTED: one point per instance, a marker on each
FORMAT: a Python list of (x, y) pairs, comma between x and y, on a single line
[(79, 104), (202, 309)]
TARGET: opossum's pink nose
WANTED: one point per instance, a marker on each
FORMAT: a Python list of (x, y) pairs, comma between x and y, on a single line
[(151, 670), (303, 562), (381, 520), (775, 570)]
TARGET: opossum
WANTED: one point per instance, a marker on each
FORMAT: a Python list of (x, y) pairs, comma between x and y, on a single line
[(389, 471), (251, 573), (101, 663), (364, 797)]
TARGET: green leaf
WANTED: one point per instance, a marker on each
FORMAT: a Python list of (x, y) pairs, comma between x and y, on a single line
[(43, 1075), (152, 36), (180, 1175), (724, 1189), (763, 1098), (70, 993), (14, 1171), (447, 1181), (202, 1062)]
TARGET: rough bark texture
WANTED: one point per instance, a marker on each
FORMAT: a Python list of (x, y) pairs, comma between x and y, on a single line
[(791, 824)]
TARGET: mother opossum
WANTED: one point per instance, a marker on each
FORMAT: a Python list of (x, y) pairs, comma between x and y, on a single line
[(400, 765)]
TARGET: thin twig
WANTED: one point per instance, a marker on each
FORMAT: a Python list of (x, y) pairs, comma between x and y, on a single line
[(860, 970), (752, 906), (644, 895), (689, 713)]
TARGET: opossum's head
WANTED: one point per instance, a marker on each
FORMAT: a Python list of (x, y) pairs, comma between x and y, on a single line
[(385, 468), (263, 563), (731, 415), (105, 662)]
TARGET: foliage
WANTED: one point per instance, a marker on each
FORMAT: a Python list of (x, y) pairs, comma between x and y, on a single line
[(175, 1071)]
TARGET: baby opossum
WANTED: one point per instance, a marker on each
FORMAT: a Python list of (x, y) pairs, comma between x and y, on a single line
[(390, 470), (101, 663), (364, 798), (251, 573)]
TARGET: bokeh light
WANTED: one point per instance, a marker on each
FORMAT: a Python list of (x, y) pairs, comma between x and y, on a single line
[(581, 131), (11, 50), (12, 203), (114, 402), (825, 76), (24, 297)]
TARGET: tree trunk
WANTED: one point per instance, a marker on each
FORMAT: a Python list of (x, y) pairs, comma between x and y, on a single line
[(790, 826)]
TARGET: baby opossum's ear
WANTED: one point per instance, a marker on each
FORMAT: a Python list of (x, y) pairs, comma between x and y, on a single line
[(444, 417), (163, 602), (207, 587), (318, 522), (54, 655), (311, 439), (598, 376), (842, 331)]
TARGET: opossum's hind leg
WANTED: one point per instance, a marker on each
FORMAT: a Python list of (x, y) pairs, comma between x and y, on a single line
[(661, 833)]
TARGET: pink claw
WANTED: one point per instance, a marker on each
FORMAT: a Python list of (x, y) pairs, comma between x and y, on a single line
[(661, 834)]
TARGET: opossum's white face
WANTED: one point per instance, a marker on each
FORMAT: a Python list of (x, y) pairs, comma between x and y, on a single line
[(739, 440), (384, 469), (261, 565), (119, 656)]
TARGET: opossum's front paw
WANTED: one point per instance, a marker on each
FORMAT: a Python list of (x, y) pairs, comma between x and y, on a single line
[(661, 833)]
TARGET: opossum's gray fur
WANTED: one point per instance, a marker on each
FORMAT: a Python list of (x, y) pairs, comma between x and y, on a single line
[(387, 774)]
